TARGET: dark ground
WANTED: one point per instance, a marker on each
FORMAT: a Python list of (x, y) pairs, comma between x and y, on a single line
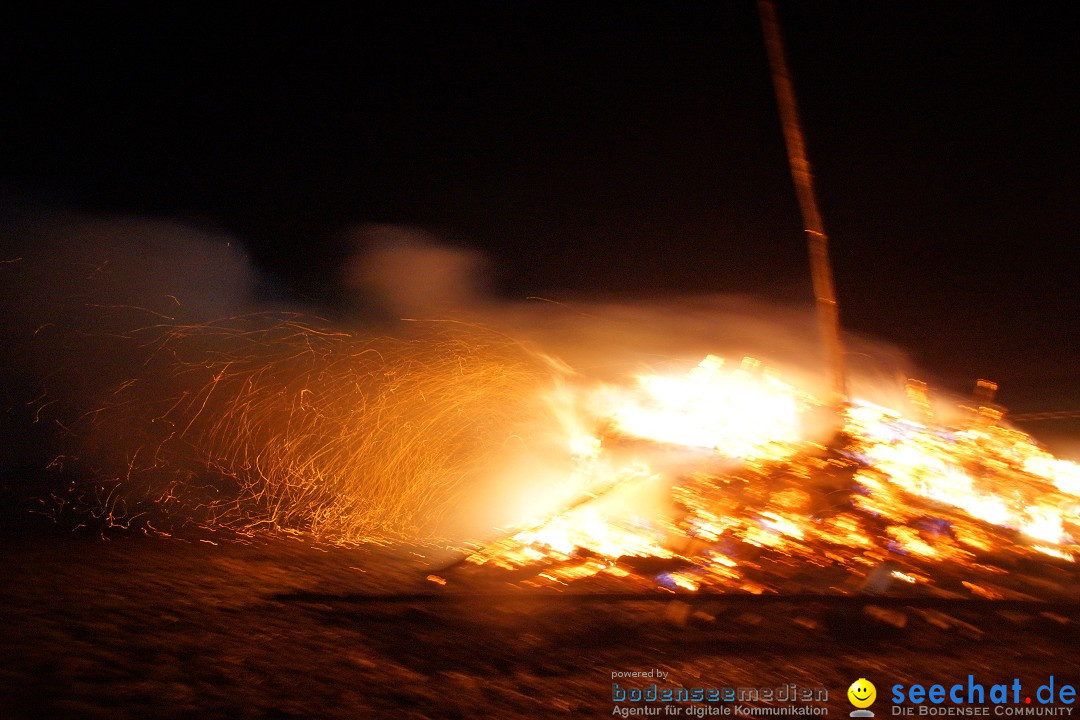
[(156, 627)]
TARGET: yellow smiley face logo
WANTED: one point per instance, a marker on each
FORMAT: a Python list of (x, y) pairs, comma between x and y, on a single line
[(862, 693)]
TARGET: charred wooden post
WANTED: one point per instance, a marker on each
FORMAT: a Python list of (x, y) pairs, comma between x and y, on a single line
[(828, 312)]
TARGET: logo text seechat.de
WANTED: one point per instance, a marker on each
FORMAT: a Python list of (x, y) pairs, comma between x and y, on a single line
[(1009, 699)]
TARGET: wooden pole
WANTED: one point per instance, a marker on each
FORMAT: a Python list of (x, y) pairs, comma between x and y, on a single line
[(828, 312)]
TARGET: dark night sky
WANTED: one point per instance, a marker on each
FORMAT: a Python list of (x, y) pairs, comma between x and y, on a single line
[(599, 148)]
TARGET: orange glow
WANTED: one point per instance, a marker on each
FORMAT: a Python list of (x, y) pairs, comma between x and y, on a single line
[(746, 412), (760, 494)]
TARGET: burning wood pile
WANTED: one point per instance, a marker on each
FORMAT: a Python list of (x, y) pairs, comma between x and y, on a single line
[(712, 482)]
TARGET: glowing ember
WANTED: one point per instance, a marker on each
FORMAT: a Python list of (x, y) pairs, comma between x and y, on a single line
[(893, 493), (983, 471)]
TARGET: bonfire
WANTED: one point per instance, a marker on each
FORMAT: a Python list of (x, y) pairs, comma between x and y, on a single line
[(714, 481)]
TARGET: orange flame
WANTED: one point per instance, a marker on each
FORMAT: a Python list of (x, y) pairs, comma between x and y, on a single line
[(915, 492)]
